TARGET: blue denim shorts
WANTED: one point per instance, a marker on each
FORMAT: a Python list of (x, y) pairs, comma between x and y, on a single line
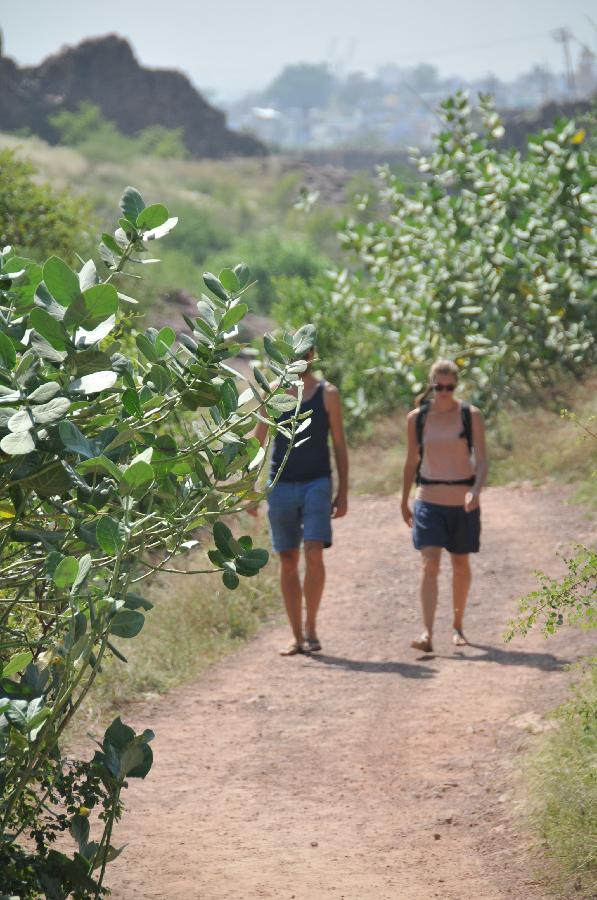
[(451, 527), (300, 510)]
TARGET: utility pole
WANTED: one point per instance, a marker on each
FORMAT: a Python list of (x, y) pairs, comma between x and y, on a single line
[(563, 36)]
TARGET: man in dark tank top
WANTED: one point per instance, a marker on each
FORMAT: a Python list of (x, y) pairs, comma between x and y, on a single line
[(301, 504)]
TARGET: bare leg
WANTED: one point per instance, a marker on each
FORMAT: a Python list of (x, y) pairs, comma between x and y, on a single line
[(430, 557), (461, 582), (314, 584), (291, 591)]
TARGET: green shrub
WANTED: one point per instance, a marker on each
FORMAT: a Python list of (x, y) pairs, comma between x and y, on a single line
[(489, 261), (562, 790), (161, 142), (38, 218), (199, 235), (344, 346), (92, 134), (269, 256), (104, 482), (563, 776), (569, 600)]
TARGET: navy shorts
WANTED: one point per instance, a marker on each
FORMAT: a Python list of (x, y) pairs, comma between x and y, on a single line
[(300, 510), (451, 527)]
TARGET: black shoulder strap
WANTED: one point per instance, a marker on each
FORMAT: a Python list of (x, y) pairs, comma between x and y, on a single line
[(420, 425), (467, 424)]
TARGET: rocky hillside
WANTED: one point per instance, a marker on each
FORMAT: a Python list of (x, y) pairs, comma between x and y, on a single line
[(106, 72)]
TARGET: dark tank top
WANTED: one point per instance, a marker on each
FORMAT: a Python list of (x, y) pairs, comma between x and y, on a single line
[(312, 459)]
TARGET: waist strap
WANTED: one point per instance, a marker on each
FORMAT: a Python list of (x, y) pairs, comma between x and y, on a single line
[(422, 480)]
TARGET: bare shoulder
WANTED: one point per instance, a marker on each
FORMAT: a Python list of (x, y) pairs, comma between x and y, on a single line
[(412, 414), (331, 394), (476, 412)]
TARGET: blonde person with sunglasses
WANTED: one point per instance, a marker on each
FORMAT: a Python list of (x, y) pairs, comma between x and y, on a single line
[(447, 460)]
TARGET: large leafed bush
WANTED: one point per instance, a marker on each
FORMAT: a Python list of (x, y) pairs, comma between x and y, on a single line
[(118, 452), (489, 261)]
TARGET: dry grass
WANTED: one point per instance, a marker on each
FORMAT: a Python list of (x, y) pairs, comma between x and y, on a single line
[(196, 180), (539, 445), (562, 794), (376, 461)]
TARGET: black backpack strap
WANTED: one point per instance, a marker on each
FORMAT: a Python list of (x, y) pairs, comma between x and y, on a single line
[(467, 424), (419, 426)]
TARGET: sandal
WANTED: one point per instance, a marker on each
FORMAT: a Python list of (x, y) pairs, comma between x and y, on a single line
[(292, 649), (458, 638), (313, 645), (423, 644)]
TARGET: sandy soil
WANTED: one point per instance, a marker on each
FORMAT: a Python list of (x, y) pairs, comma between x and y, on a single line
[(368, 772)]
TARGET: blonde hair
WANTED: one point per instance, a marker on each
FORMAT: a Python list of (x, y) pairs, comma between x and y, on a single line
[(439, 367)]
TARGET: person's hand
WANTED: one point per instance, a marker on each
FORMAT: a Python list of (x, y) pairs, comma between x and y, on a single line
[(339, 506), (472, 501), (407, 514), (253, 510)]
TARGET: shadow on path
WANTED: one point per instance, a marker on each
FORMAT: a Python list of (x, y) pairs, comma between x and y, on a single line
[(547, 662), (407, 670)]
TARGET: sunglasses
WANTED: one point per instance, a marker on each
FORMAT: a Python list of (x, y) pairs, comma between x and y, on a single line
[(444, 387)]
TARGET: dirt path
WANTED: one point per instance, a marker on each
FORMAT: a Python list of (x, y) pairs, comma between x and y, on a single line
[(365, 773)]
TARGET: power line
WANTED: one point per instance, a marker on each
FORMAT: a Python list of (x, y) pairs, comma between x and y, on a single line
[(467, 48)]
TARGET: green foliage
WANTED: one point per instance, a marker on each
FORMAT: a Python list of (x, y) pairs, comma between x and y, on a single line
[(519, 452), (302, 85), (272, 257), (571, 600), (344, 346), (199, 235), (90, 132), (489, 261), (563, 782), (562, 792), (194, 621), (38, 218), (161, 142), (102, 483)]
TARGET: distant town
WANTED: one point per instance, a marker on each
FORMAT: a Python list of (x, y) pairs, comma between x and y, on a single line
[(311, 106)]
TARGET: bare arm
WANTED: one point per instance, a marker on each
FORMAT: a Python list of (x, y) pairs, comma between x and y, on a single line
[(333, 405), (473, 496), (260, 432), (410, 465)]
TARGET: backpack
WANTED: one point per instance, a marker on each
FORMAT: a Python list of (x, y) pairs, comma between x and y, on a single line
[(466, 433)]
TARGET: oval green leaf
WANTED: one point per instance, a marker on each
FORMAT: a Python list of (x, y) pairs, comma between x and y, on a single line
[(8, 355), (232, 317), (127, 623), (152, 216), (44, 392), (49, 328), (53, 411), (215, 286), (229, 279), (131, 204), (94, 383), (108, 535), (18, 444), (61, 281), (66, 572)]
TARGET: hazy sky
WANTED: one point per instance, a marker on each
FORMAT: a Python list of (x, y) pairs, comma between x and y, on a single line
[(231, 46)]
